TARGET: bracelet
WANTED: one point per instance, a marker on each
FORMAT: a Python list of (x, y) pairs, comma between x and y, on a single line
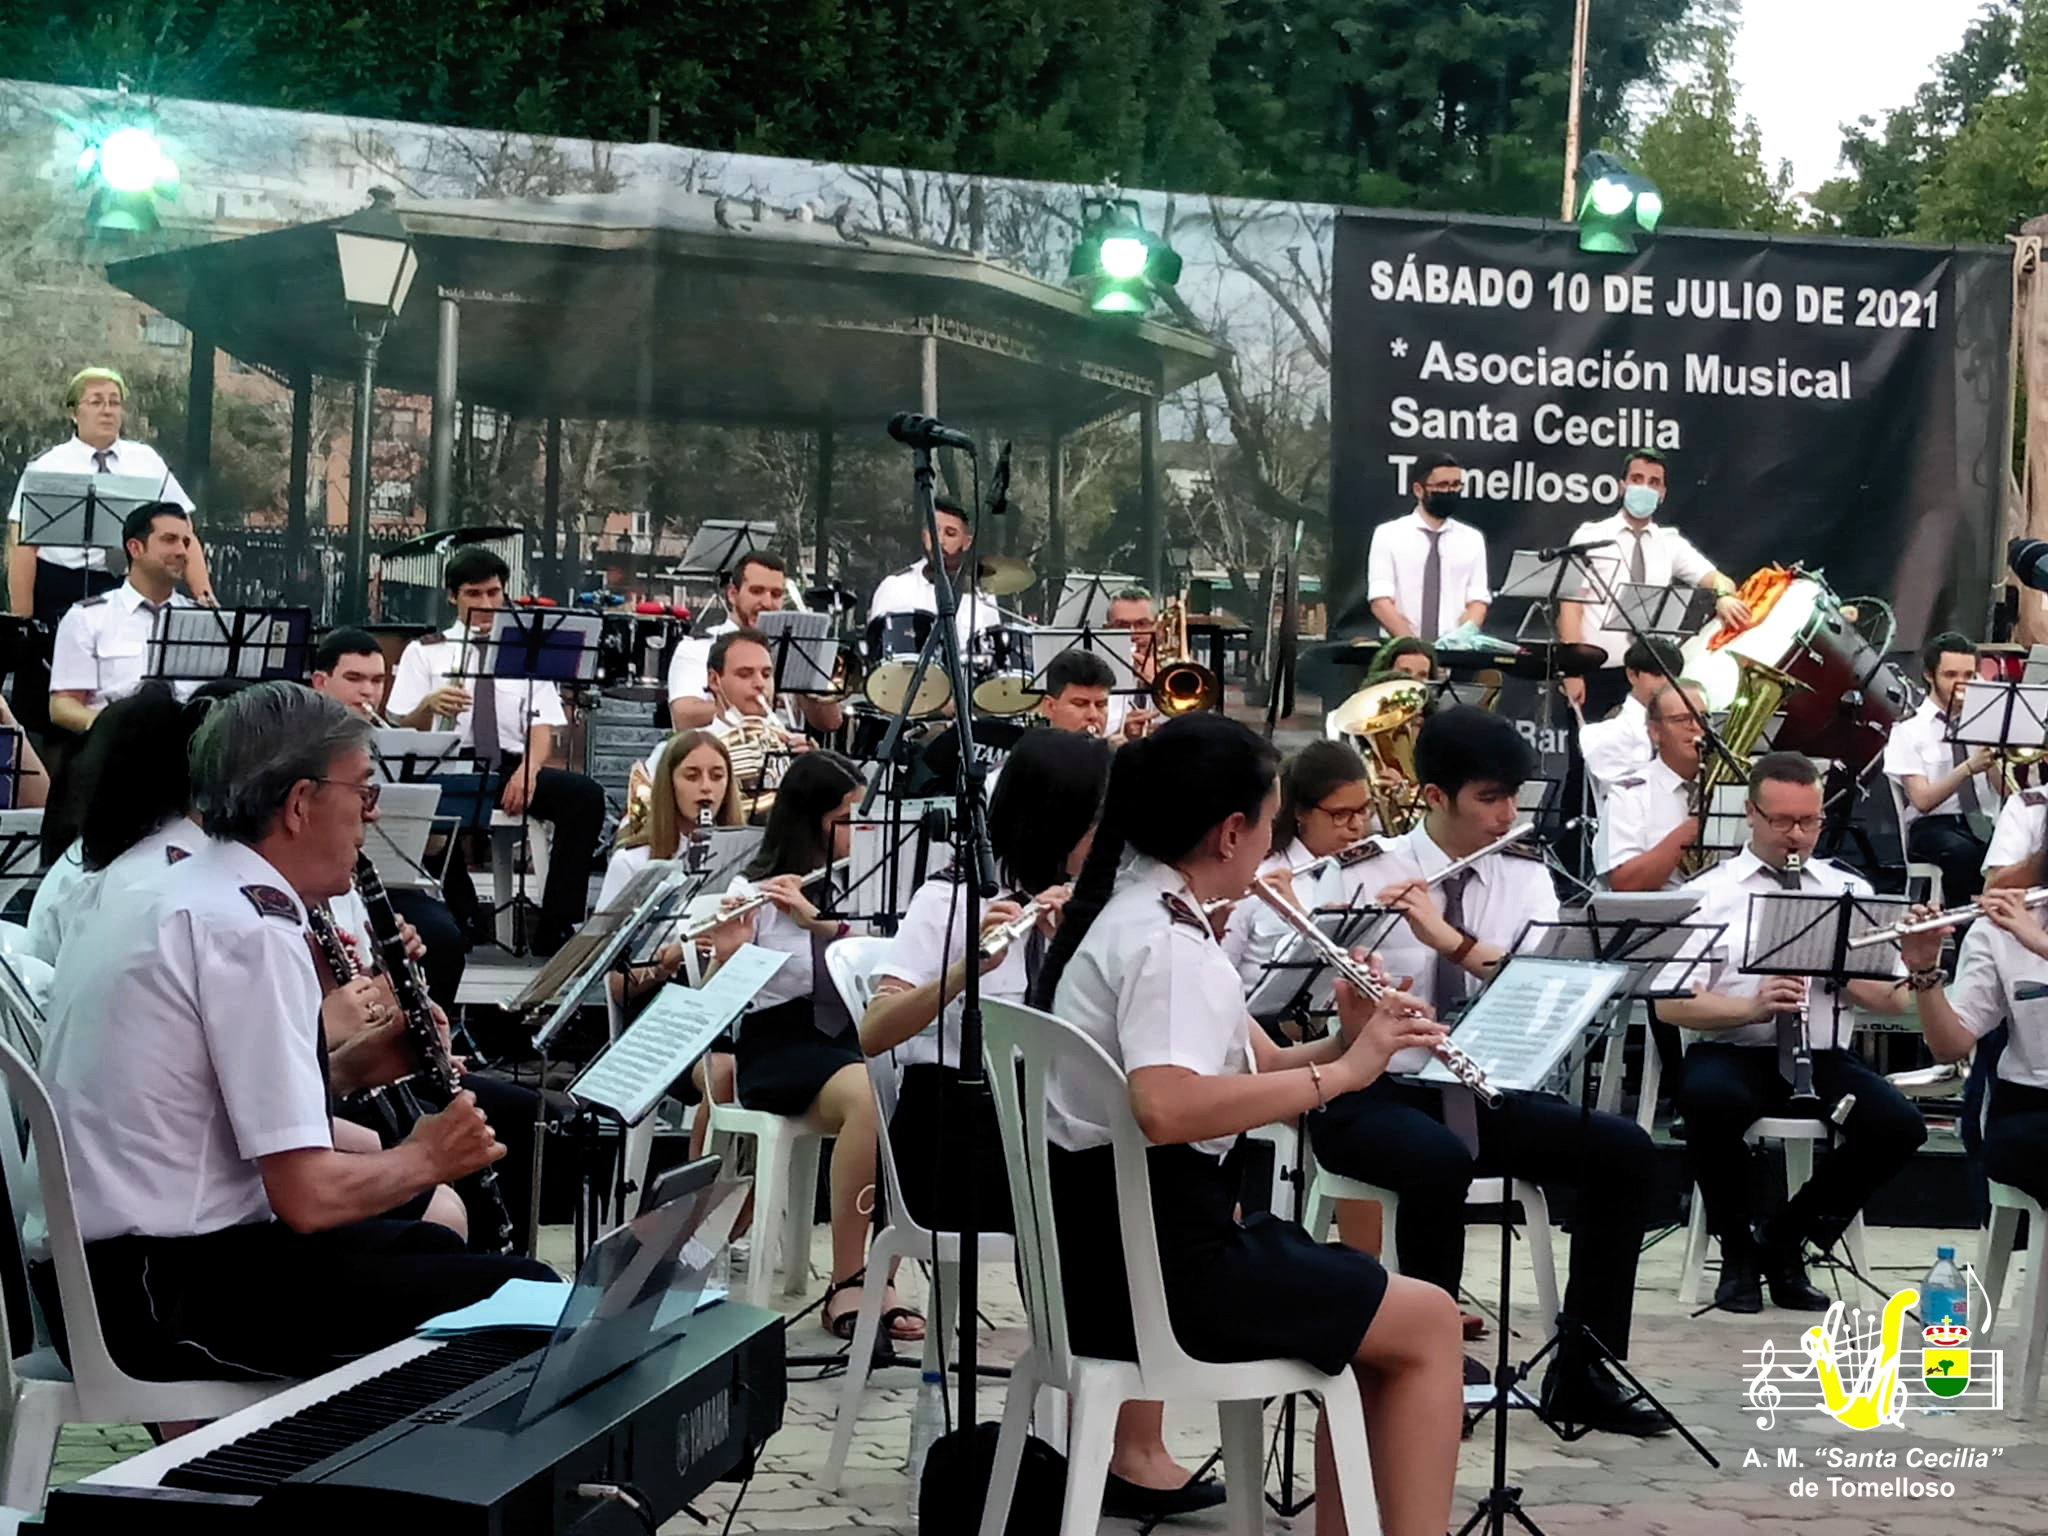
[(1315, 1075), (1457, 956), (1926, 979)]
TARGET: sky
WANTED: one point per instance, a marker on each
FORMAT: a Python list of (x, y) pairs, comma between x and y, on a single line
[(1804, 67)]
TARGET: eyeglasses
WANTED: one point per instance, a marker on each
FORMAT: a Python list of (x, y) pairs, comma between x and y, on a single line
[(1784, 824), (367, 793), (1353, 815)]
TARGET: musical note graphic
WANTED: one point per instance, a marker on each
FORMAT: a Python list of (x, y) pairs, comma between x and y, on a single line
[(1762, 1393)]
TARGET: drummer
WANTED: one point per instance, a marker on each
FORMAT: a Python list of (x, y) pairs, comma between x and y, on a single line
[(1948, 792), (1643, 553), (911, 591), (758, 584)]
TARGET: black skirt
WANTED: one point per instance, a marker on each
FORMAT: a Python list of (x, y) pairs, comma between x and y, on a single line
[(781, 1061), (1262, 1289), (925, 1134)]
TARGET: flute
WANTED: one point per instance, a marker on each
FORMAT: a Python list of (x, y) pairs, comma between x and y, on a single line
[(1003, 935), (1463, 1067), (690, 933), (1954, 917), (1513, 834)]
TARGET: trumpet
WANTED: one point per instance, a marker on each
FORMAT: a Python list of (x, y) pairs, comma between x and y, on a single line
[(1463, 1067), (1953, 917)]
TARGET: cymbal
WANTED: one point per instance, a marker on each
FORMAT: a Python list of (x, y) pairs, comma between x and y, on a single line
[(1003, 575)]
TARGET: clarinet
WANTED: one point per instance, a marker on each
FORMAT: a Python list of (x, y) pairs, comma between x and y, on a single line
[(410, 988), (1795, 1021), (393, 1104)]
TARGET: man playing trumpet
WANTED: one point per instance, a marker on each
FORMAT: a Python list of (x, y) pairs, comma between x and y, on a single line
[(741, 675)]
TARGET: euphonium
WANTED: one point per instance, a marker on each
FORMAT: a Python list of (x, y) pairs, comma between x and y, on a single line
[(1756, 701), (1180, 686), (1382, 721)]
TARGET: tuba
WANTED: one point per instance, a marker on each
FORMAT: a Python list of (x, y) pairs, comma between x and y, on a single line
[(1180, 686), (1757, 701), (1382, 721)]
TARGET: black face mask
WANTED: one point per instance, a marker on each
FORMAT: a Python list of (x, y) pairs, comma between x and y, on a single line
[(1443, 503)]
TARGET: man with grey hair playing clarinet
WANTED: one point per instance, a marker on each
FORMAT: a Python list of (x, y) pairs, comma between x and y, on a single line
[(184, 1061)]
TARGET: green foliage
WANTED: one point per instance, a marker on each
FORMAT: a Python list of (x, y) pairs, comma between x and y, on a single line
[(1709, 166), (1455, 104)]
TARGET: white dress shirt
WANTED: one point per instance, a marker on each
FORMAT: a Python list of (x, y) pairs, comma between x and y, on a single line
[(1919, 744), (689, 670), (1614, 749), (187, 1049), (2017, 834), (1153, 990), (911, 591), (78, 457), (928, 942), (1725, 892), (60, 897), (774, 929), (1993, 969), (1256, 933), (435, 660), (618, 874), (1641, 811), (102, 645), (1400, 550), (1504, 893), (1669, 559)]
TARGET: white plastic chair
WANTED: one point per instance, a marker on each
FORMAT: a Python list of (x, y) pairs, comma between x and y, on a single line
[(1325, 1189), (506, 833), (785, 1189), (1798, 1135), (1022, 1046), (43, 1395), (1994, 1258), (851, 964), (1612, 1067), (1915, 870)]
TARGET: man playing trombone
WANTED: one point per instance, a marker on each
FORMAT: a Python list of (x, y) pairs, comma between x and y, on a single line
[(1427, 1144)]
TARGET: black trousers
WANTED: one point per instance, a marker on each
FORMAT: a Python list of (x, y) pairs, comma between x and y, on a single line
[(1392, 1134), (1729, 1086), (510, 1107), (261, 1300), (447, 945), (572, 804), (1948, 843), (56, 590), (2016, 1137)]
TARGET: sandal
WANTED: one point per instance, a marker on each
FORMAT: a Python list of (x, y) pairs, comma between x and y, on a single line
[(895, 1321)]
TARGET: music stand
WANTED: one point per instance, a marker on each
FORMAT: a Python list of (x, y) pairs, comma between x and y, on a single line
[(889, 857), (1296, 981), (1085, 597), (21, 847), (1117, 647), (251, 644), (2012, 717), (804, 650), (83, 511), (1669, 612), (717, 545), (403, 755), (12, 738), (396, 842)]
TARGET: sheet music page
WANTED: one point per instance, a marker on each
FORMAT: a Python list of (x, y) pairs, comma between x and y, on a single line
[(1529, 1016), (632, 1073)]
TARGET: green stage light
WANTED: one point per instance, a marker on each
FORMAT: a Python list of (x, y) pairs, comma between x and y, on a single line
[(1617, 207), (128, 169), (1118, 262)]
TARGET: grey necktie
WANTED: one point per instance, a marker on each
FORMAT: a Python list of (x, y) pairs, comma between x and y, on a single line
[(1432, 584), (483, 710), (101, 458), (1461, 1115), (1966, 796), (1638, 572)]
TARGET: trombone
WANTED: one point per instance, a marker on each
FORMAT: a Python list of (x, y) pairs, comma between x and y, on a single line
[(1180, 685)]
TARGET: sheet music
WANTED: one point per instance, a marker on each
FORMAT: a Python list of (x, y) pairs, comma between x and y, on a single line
[(251, 644), (1528, 1018), (630, 1075)]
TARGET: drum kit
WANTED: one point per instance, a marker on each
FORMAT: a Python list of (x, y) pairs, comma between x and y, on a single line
[(1001, 659)]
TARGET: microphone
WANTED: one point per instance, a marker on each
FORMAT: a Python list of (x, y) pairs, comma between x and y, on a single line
[(927, 432), (2029, 561), (1547, 555)]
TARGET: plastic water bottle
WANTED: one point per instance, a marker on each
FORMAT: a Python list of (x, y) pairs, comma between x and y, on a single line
[(927, 1423), (1942, 1297)]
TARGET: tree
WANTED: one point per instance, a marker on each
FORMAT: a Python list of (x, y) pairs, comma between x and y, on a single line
[(1709, 166)]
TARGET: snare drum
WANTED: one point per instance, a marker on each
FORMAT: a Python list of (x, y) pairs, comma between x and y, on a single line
[(1002, 673), (895, 641), (1850, 699)]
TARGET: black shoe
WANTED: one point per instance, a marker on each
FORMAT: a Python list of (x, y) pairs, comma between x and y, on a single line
[(1123, 1500), (1593, 1398), (1784, 1271), (1740, 1289)]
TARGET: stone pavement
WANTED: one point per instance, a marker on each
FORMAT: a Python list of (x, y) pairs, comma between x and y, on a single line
[(1600, 1484)]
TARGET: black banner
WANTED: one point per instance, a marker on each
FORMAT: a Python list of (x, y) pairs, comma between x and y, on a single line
[(1837, 403)]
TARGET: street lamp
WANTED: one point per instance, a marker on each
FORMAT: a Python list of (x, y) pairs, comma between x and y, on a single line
[(377, 268)]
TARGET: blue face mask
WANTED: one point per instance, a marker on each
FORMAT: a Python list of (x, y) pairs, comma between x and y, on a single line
[(1640, 500)]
